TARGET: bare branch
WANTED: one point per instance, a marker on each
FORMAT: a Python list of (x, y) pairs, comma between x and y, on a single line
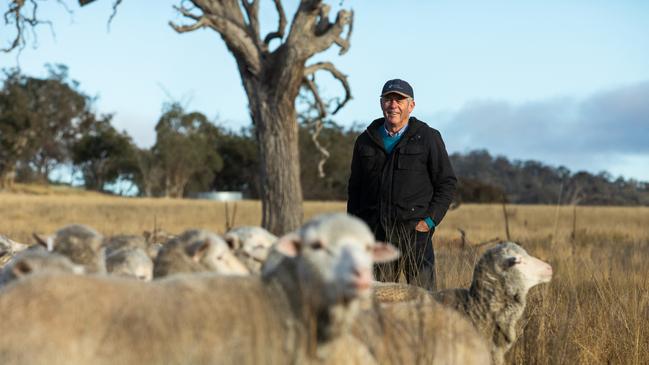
[(328, 66), (115, 5), (188, 28), (318, 125), (16, 14), (344, 44), (252, 11), (226, 18), (320, 33), (186, 12), (310, 84), (200, 21), (280, 27)]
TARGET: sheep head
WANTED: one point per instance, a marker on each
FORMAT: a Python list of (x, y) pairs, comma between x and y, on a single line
[(334, 254)]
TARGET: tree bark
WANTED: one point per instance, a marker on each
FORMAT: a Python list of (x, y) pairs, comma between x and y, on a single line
[(273, 113)]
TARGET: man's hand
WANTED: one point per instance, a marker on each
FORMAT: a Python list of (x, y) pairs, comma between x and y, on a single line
[(422, 226)]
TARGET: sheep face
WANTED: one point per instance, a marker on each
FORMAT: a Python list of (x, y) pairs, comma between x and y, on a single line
[(130, 262), (335, 253), (212, 252), (253, 242), (519, 269)]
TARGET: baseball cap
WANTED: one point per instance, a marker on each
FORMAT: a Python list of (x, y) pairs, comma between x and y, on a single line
[(398, 86)]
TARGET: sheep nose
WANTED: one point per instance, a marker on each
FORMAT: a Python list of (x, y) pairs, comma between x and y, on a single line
[(547, 271), (362, 278)]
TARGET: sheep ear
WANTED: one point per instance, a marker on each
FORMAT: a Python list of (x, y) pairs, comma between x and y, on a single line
[(232, 241), (45, 241), (384, 252), (289, 245), (147, 235), (198, 250), (21, 268)]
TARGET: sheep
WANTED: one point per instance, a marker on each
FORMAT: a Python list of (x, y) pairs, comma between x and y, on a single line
[(496, 299), (36, 260), (420, 332), (251, 245), (8, 248), (197, 250), (205, 318), (131, 262), (121, 241), (81, 244), (397, 293)]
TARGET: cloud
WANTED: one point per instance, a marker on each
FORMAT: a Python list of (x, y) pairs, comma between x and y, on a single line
[(606, 131)]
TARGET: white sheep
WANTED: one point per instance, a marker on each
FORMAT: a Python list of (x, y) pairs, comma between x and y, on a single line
[(284, 317), (420, 331), (121, 241), (251, 245), (81, 244), (130, 262), (31, 261), (496, 299), (197, 250)]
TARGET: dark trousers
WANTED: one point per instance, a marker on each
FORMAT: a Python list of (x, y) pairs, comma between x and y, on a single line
[(417, 260)]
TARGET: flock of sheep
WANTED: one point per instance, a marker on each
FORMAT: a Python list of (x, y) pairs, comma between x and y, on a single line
[(248, 297)]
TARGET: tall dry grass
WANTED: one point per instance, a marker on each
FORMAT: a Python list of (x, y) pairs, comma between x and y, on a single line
[(595, 310)]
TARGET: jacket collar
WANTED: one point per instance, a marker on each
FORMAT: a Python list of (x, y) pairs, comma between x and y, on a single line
[(373, 130)]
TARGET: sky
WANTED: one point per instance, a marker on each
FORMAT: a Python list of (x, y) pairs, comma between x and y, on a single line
[(562, 82)]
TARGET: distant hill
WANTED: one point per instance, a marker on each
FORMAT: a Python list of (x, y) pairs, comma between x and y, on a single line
[(484, 178)]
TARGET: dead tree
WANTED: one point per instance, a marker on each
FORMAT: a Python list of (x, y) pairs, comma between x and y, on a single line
[(272, 80), (271, 77)]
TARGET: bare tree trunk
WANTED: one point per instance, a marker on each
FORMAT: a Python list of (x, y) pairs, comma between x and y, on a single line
[(276, 129)]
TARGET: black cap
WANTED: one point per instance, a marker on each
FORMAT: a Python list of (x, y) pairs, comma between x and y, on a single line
[(398, 86)]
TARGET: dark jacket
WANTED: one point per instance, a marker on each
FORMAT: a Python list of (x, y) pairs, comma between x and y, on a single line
[(413, 182)]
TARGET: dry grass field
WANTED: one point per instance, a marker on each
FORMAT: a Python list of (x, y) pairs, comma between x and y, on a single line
[(595, 311)]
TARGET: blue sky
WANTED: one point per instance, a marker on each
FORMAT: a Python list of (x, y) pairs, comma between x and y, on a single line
[(563, 82)]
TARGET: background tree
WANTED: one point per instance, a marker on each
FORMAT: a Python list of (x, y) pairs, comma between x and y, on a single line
[(104, 155), (185, 147), (149, 174), (240, 155), (271, 77), (39, 119)]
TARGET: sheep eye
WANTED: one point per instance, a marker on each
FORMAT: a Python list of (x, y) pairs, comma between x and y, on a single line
[(317, 245), (510, 262)]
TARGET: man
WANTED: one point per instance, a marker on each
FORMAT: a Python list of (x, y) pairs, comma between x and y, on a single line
[(402, 184)]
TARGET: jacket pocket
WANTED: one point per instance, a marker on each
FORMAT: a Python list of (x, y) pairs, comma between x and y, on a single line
[(368, 158), (412, 158), (410, 210)]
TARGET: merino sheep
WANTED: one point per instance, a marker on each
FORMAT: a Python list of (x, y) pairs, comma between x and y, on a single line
[(130, 262), (496, 299), (122, 241), (251, 245), (197, 251), (33, 261), (81, 244), (284, 317), (420, 332)]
